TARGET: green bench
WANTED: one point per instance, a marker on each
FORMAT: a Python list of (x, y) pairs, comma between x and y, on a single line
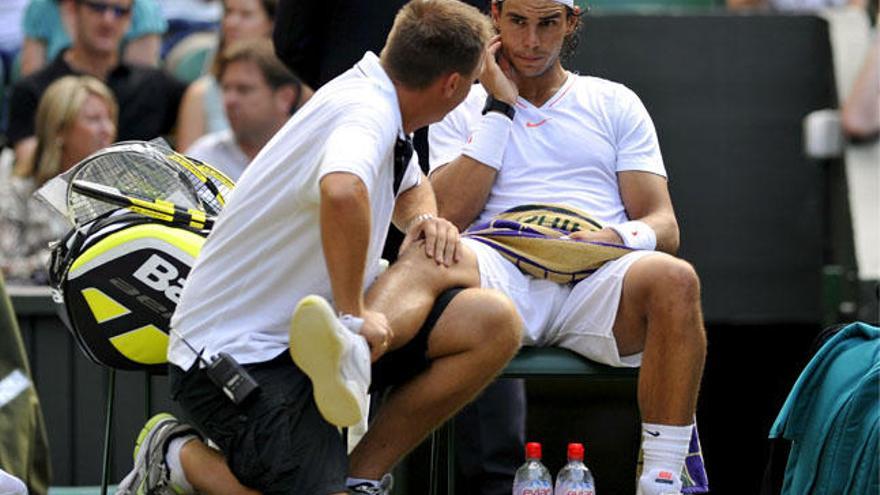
[(531, 362)]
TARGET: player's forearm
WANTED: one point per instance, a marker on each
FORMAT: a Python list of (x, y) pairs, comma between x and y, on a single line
[(412, 203), (345, 236), (462, 188), (665, 227)]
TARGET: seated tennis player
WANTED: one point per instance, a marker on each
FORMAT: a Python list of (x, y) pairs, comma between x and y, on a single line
[(302, 235), (535, 133)]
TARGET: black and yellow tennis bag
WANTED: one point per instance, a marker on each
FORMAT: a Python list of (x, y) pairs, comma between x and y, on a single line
[(117, 284)]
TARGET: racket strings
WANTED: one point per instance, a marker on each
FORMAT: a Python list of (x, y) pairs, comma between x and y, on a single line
[(210, 185), (132, 173)]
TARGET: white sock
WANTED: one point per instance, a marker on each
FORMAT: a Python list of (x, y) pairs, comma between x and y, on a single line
[(664, 448), (349, 482), (175, 468)]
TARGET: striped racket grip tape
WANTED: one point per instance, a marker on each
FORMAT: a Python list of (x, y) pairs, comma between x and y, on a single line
[(159, 209)]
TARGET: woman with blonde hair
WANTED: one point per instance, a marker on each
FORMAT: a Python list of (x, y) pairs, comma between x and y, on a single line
[(76, 116)]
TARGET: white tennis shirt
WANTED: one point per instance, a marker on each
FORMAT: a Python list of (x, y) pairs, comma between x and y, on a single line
[(265, 252), (567, 151)]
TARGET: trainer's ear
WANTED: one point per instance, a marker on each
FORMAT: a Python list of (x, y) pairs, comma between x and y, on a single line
[(451, 83)]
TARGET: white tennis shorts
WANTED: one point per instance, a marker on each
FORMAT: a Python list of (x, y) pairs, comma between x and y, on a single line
[(578, 317)]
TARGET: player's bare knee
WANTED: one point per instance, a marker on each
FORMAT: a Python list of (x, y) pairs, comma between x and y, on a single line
[(674, 282), (413, 262)]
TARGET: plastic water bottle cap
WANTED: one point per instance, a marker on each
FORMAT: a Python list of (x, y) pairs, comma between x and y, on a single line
[(533, 450), (575, 452)]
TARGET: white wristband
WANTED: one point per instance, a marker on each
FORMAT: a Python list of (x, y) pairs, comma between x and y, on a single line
[(489, 140), (636, 234)]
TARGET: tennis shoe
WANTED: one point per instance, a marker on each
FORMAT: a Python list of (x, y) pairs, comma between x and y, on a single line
[(383, 488), (151, 474), (335, 358)]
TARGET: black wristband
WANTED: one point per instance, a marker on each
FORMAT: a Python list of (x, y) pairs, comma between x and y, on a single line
[(493, 105)]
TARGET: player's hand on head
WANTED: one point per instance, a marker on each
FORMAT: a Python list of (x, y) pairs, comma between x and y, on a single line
[(497, 74), (377, 333), (606, 235), (442, 239)]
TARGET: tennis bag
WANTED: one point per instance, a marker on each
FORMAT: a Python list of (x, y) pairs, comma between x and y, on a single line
[(118, 281)]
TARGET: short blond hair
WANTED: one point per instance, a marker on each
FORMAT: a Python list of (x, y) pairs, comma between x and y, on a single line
[(58, 108), (431, 38)]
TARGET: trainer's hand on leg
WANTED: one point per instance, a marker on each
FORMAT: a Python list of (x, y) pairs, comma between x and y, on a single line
[(442, 240), (377, 332)]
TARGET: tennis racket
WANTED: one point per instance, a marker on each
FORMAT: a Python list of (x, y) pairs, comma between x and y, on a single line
[(159, 209), (142, 170)]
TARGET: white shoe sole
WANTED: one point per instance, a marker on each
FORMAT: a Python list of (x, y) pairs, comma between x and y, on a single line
[(318, 349)]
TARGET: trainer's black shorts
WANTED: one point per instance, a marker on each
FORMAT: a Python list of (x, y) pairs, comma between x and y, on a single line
[(397, 367), (277, 442)]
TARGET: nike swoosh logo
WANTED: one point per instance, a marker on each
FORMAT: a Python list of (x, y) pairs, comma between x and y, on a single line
[(653, 433), (536, 124)]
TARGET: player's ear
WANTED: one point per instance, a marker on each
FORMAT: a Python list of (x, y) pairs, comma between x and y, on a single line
[(574, 21)]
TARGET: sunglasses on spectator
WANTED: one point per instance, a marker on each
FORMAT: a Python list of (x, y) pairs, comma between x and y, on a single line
[(101, 8)]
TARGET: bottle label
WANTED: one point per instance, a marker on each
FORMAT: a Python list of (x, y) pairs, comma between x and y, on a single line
[(575, 488), (533, 487)]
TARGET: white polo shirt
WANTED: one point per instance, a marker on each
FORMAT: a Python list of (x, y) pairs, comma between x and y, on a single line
[(221, 151), (567, 151), (265, 252)]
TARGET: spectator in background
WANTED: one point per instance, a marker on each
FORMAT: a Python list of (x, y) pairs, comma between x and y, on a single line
[(202, 109), (186, 17), (148, 97), (259, 95), (794, 5), (198, 11), (11, 14), (76, 117), (860, 114), (48, 28)]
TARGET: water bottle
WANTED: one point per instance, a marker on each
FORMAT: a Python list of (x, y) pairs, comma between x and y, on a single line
[(575, 478), (532, 478)]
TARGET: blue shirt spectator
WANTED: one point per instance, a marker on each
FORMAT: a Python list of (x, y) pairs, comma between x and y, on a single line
[(45, 27)]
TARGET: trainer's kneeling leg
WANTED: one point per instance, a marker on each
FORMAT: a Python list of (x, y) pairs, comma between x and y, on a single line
[(477, 334)]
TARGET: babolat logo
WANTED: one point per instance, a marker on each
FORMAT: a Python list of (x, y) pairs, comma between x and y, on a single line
[(161, 275)]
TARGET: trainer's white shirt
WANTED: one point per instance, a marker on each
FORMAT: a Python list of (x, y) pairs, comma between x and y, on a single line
[(567, 151), (221, 151), (265, 252)]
